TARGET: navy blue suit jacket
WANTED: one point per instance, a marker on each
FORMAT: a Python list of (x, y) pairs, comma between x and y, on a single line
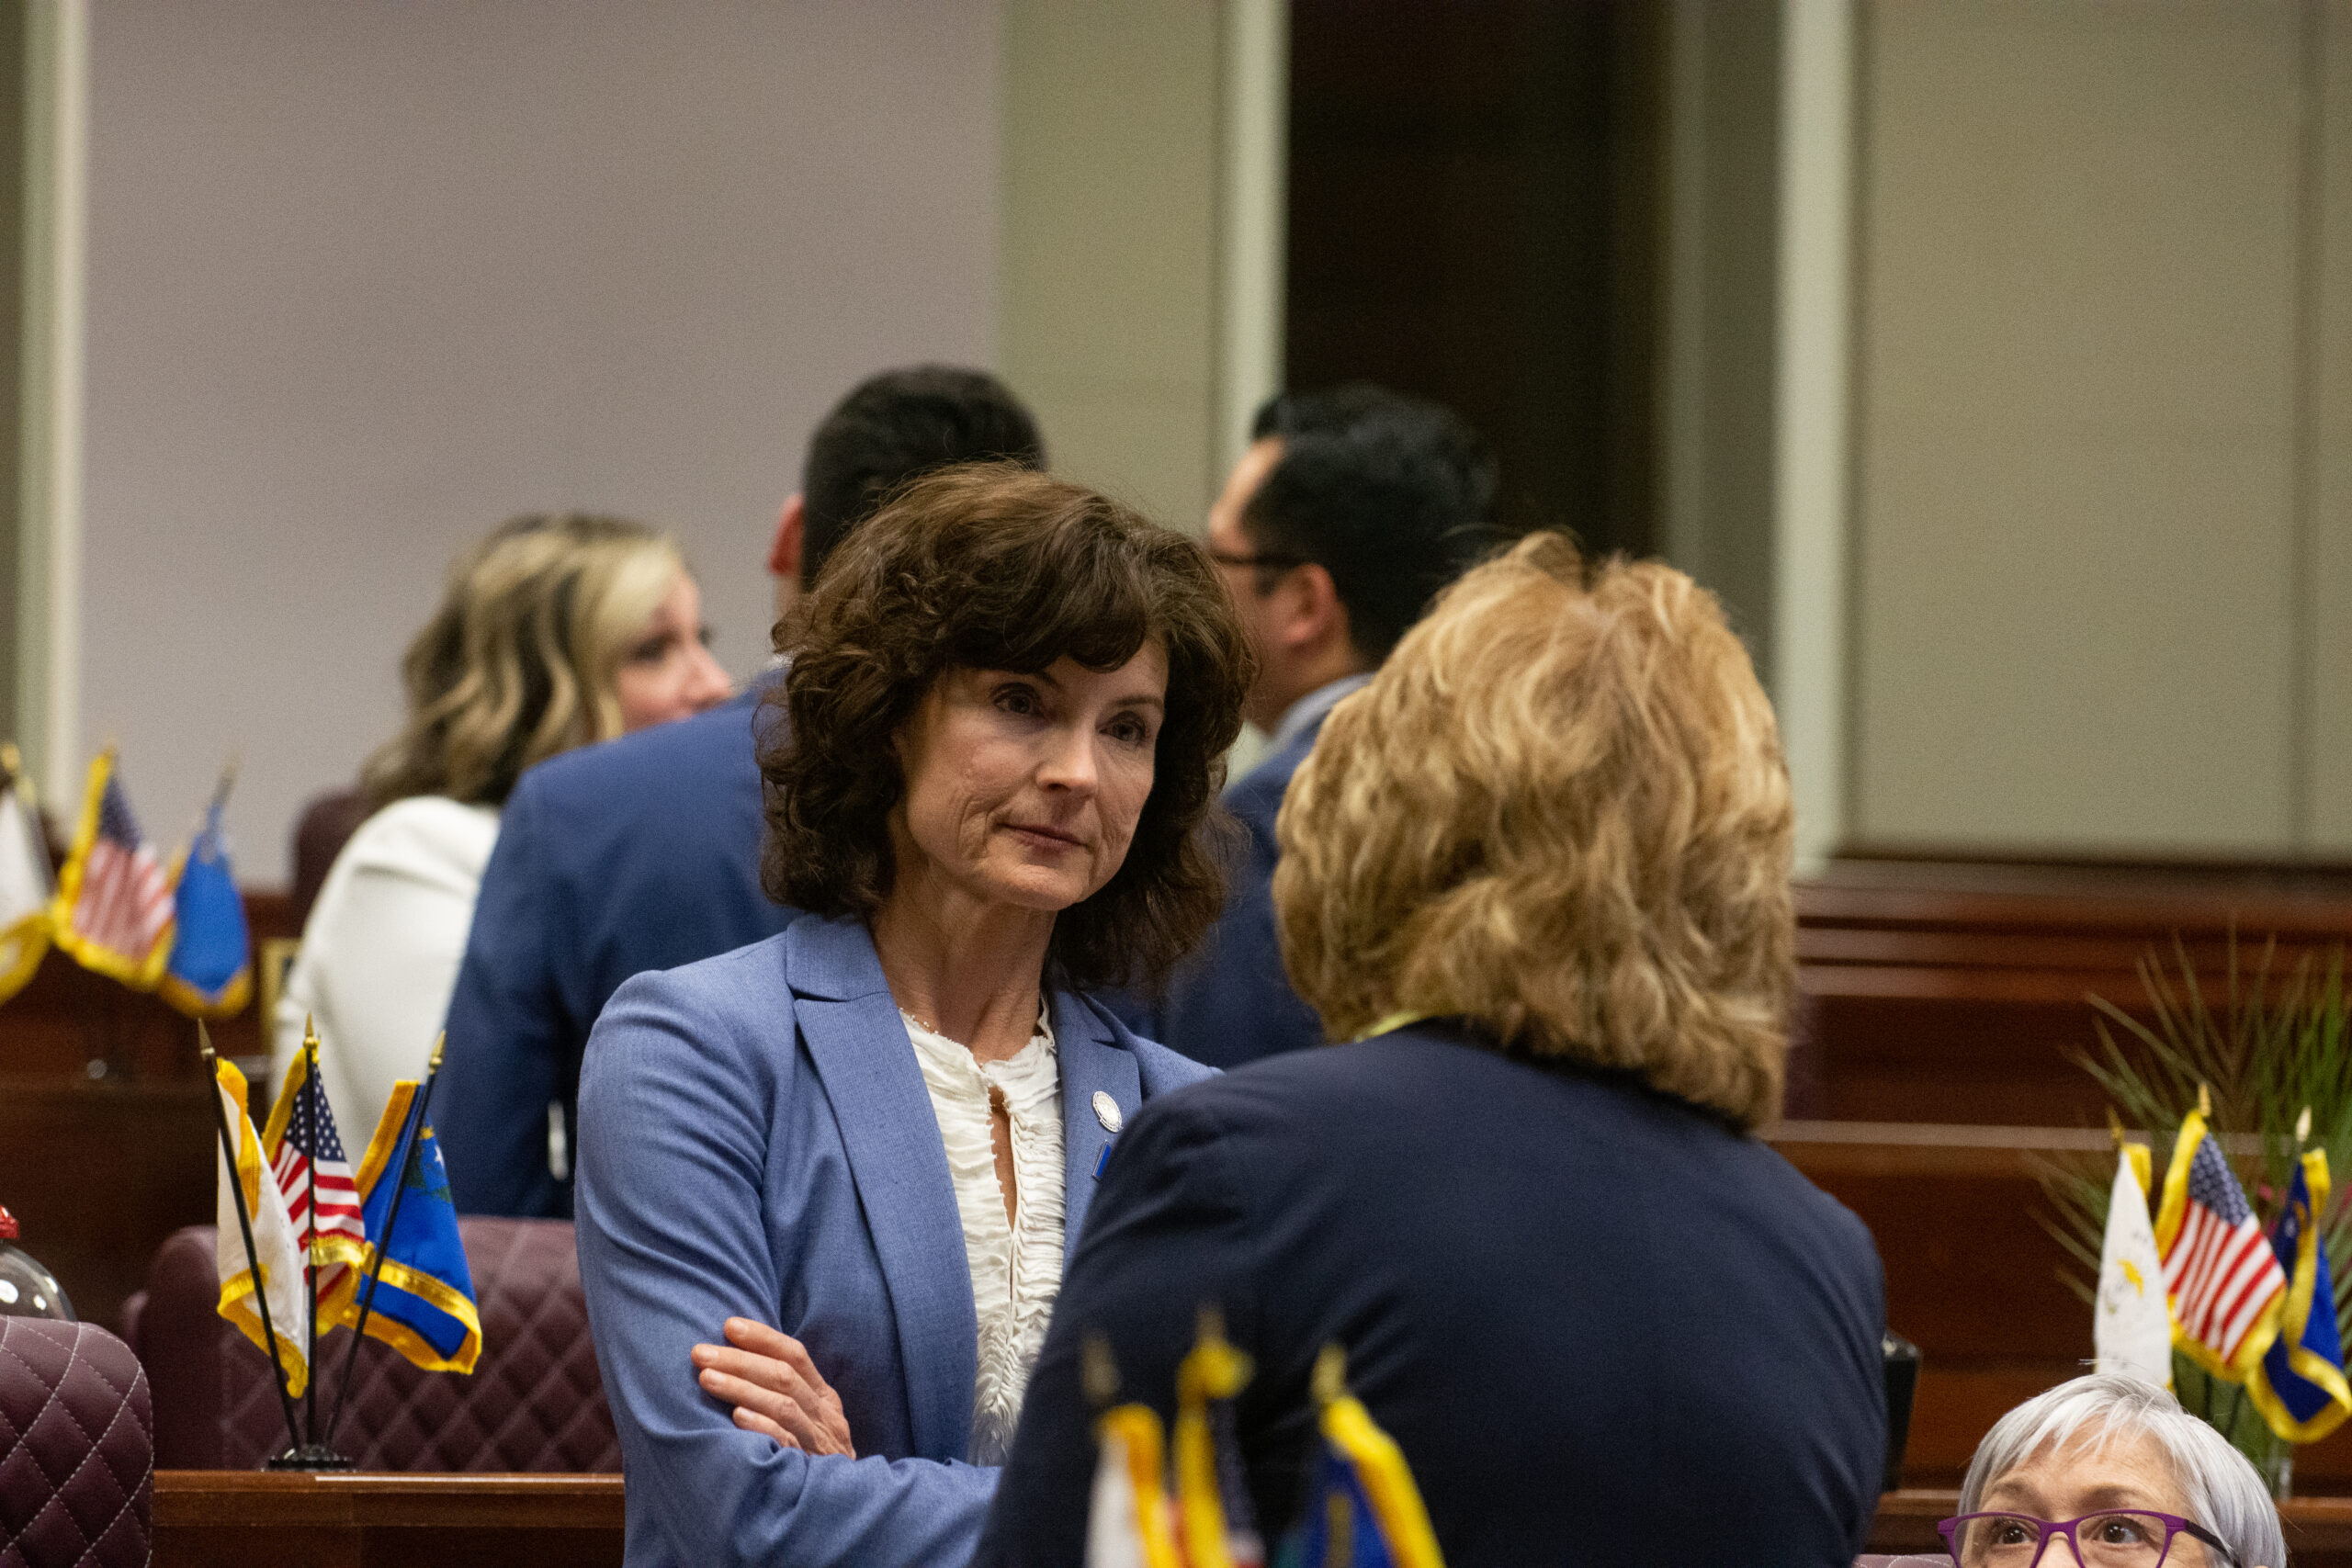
[(1229, 1002), (1575, 1304), (756, 1140), (640, 853)]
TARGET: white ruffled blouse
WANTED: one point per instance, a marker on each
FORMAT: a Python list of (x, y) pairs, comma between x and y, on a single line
[(1016, 1267)]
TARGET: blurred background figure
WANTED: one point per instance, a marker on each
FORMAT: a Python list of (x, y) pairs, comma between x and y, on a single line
[(2119, 1466), (1351, 508), (646, 855), (1524, 1201), (554, 632)]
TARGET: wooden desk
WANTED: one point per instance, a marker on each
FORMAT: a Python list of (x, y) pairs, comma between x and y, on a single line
[(2319, 1529), (227, 1519)]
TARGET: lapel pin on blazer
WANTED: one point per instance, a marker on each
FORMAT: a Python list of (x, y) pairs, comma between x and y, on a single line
[(1106, 1111)]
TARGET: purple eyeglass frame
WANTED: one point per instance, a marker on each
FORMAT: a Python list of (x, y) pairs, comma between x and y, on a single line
[(2173, 1525)]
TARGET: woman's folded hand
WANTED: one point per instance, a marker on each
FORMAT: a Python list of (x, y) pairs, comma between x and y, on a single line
[(767, 1376)]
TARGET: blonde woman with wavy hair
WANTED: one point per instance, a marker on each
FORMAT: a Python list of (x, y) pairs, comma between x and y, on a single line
[(1536, 874), (553, 632), (1561, 813)]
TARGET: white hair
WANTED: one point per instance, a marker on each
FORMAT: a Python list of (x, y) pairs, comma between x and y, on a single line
[(2224, 1492)]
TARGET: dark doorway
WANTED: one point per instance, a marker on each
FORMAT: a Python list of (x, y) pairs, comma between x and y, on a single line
[(1473, 217)]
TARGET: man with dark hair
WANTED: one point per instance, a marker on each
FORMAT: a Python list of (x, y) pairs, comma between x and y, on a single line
[(1351, 510), (644, 853), (890, 428)]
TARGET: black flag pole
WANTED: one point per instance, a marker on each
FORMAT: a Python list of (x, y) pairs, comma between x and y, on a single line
[(412, 1133), (312, 1454), (311, 1251), (245, 1229)]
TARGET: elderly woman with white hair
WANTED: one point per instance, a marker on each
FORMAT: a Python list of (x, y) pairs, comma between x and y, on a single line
[(2116, 1467)]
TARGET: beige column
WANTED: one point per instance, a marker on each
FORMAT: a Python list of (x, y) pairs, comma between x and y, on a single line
[(1139, 303)]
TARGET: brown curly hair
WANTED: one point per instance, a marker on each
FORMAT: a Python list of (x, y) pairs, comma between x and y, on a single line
[(991, 566)]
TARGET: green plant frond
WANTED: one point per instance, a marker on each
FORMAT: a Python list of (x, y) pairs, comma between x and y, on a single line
[(2148, 1037), (2076, 1189)]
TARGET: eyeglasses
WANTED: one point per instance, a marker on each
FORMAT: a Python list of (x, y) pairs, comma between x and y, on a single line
[(2119, 1538), (1276, 561)]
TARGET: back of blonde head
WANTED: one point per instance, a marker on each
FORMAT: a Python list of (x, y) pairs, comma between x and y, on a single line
[(521, 659), (1560, 812)]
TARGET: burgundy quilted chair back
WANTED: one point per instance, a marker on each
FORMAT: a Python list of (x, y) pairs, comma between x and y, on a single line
[(78, 1449), (532, 1401)]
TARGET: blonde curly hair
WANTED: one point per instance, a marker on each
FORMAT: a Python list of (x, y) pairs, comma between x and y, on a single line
[(522, 659), (1559, 812)]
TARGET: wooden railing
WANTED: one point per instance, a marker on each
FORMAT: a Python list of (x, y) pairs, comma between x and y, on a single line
[(1954, 992)]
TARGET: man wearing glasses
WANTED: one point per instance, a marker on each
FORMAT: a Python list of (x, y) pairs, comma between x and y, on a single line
[(1351, 510)]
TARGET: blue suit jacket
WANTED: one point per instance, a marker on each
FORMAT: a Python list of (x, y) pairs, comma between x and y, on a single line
[(756, 1140), (1577, 1304), (1230, 1002), (640, 853)]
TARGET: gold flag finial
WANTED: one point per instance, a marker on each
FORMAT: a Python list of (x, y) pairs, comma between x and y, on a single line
[(1330, 1380), (440, 1042), (204, 1042), (1209, 1327), (1099, 1373), (309, 1032), (2115, 1128), (2303, 1127), (2205, 1101)]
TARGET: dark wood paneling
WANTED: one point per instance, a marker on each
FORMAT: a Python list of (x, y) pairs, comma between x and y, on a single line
[(69, 1019), (1958, 992), (207, 1518), (98, 1170), (1974, 1277), (97, 1175), (1473, 217)]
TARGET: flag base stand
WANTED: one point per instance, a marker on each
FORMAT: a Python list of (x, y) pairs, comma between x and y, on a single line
[(310, 1456)]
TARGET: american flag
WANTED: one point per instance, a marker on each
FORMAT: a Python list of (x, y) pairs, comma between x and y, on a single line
[(309, 1139), (2219, 1270), (122, 903)]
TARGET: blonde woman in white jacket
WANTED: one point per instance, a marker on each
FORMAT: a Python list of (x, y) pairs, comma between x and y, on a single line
[(554, 632)]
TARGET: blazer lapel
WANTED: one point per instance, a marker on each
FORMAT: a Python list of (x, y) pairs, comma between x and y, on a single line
[(862, 1055), (1091, 1063)]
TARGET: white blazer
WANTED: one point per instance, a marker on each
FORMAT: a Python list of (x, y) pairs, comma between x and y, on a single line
[(381, 953)]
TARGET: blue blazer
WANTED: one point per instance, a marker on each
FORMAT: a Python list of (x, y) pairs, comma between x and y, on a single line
[(640, 853), (756, 1141), (1577, 1304), (1230, 1002)]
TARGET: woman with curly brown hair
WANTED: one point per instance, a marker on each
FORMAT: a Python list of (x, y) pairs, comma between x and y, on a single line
[(1537, 873), (863, 1148)]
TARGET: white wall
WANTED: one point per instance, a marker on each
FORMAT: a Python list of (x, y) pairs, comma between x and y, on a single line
[(366, 277), (1108, 296), (2104, 560)]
